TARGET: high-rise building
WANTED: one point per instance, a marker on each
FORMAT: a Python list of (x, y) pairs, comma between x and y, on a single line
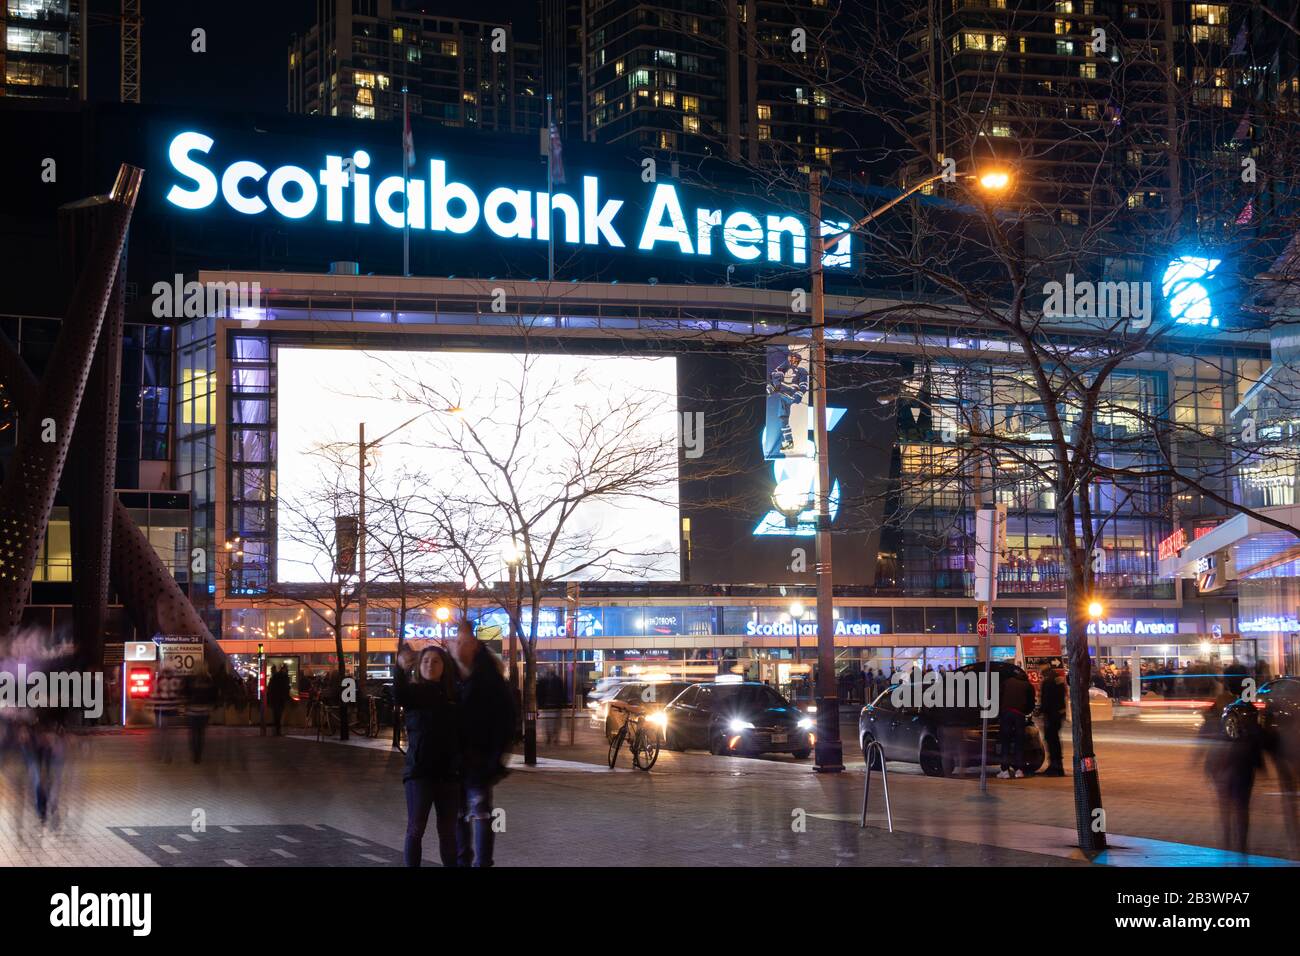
[(41, 48), (1052, 85), (691, 77), (356, 59)]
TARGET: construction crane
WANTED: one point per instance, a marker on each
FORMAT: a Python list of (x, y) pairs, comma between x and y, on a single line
[(130, 22)]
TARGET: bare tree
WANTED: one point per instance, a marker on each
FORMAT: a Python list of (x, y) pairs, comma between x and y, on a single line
[(1127, 186), (558, 464), (319, 529)]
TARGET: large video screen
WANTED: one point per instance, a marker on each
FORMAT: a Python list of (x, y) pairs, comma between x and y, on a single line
[(592, 438)]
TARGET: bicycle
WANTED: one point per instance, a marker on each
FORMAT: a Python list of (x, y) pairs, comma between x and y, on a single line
[(366, 723), (644, 743), (327, 720)]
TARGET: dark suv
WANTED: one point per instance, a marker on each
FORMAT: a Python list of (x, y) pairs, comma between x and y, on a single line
[(941, 739), (1275, 711)]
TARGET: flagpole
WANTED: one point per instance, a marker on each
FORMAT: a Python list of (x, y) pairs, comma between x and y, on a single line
[(406, 191), (550, 186)]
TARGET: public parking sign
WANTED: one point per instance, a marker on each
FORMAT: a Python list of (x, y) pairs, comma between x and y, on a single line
[(182, 660)]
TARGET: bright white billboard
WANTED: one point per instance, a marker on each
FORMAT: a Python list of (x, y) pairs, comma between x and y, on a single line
[(588, 436)]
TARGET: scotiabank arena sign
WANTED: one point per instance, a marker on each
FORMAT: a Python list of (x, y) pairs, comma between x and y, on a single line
[(435, 198)]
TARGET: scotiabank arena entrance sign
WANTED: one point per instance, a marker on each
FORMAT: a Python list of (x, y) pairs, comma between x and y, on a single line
[(465, 200)]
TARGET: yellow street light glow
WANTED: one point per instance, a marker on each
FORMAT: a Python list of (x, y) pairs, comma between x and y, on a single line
[(994, 180), (1095, 610), (443, 613), (796, 610)]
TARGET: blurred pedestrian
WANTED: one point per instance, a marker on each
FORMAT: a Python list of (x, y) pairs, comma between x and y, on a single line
[(200, 697), (487, 724), (1052, 706), (1015, 705), (277, 694), (432, 774), (1231, 764)]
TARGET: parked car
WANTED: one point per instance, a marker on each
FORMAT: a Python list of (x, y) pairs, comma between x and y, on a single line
[(1275, 709), (740, 717), (640, 697), (941, 739)]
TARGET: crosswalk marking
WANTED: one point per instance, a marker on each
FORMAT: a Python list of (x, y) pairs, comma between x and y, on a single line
[(233, 863), (168, 849), (283, 853), (373, 858), (287, 839)]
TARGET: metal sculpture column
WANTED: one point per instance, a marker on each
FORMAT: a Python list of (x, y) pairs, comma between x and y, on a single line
[(93, 454), (45, 434)]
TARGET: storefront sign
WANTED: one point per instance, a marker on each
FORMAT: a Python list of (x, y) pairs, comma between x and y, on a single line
[(347, 188), (1173, 545), (1138, 627), (842, 629)]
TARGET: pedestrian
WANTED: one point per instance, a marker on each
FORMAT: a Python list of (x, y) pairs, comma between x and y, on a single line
[(1017, 703), (200, 696), (1052, 706), (1231, 764), (277, 694), (487, 722), (432, 774)]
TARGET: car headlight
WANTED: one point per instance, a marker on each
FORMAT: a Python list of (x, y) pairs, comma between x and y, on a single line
[(805, 723), (659, 718), (738, 725)]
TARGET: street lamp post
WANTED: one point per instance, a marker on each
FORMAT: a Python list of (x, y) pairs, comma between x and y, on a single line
[(512, 556), (363, 600), (829, 750)]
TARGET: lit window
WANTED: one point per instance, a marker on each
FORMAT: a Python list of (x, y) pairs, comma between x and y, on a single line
[(449, 48), (618, 67), (764, 131), (1088, 71), (691, 124), (764, 111)]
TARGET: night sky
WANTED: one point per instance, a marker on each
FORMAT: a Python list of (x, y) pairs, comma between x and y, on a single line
[(245, 66)]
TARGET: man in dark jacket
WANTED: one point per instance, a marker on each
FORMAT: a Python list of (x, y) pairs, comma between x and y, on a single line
[(487, 721), (1052, 705), (1017, 703)]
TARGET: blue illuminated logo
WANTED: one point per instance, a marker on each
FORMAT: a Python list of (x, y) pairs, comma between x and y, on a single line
[(346, 191), (1185, 291)]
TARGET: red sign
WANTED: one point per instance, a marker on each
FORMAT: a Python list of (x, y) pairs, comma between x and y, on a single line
[(1171, 546), (1041, 645), (982, 628), (139, 682)]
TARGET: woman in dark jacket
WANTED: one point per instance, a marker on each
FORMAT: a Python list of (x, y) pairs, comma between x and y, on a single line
[(432, 776)]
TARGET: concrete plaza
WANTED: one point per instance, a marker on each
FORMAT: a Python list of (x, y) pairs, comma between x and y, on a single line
[(296, 801)]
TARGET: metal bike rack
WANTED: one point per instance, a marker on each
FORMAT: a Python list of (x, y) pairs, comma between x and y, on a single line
[(874, 747)]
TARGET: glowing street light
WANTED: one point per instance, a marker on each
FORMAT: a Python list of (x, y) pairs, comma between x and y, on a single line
[(443, 613), (1095, 610), (994, 180)]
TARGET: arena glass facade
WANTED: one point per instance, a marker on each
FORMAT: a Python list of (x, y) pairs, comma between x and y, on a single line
[(919, 606)]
